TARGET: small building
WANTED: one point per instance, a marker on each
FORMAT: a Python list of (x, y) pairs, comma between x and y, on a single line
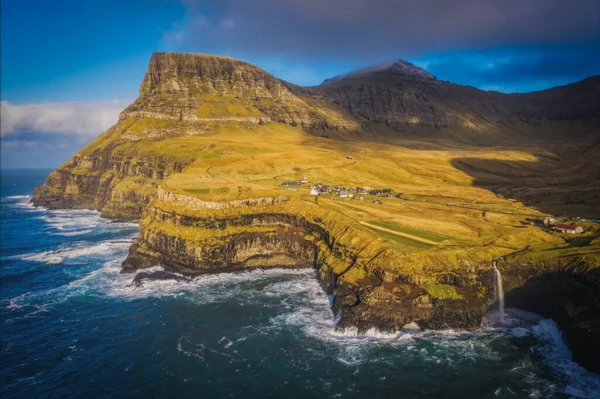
[(343, 194), (568, 228), (313, 192), (377, 202), (290, 184), (349, 157), (303, 180), (548, 221), (361, 191)]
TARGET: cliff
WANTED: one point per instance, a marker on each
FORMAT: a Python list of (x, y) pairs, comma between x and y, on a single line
[(200, 157)]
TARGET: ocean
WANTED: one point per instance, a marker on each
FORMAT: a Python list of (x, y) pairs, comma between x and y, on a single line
[(70, 328)]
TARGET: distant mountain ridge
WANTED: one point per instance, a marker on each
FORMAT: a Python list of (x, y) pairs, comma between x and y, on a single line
[(398, 67), (404, 97)]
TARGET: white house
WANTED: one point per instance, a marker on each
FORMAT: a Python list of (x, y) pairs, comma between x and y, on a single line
[(568, 228)]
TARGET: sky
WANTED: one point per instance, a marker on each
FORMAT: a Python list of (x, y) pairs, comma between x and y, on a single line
[(69, 67)]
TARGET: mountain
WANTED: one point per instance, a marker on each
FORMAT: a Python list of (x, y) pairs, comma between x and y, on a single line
[(398, 68), (444, 180), (409, 99), (179, 86)]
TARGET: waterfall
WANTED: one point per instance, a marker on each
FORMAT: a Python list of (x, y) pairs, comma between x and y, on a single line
[(499, 291)]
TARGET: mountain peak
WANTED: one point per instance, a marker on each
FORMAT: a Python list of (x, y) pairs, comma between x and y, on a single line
[(180, 71), (398, 67)]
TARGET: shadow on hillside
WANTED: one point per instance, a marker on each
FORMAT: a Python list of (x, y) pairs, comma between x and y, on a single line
[(551, 185)]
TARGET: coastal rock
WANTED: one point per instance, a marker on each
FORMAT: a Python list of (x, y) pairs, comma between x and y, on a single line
[(138, 280), (568, 292)]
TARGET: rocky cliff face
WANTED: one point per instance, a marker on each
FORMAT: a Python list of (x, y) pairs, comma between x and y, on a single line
[(118, 185), (568, 292), (366, 293), (203, 90)]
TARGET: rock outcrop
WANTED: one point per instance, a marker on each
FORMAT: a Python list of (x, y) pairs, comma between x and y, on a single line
[(567, 291), (118, 185)]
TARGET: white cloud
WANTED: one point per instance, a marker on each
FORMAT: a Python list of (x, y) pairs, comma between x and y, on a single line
[(227, 23), (14, 144), (82, 119)]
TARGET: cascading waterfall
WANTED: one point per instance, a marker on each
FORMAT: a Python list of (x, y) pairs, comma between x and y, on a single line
[(499, 291)]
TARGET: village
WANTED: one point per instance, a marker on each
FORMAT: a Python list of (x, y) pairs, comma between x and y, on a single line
[(359, 193), (564, 225)]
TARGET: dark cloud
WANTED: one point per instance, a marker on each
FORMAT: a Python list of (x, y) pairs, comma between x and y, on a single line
[(377, 28), (517, 69)]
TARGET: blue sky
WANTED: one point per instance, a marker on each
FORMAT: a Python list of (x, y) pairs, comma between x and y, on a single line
[(68, 67)]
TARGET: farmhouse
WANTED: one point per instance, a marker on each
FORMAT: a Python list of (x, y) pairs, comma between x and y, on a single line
[(568, 228), (313, 192), (303, 180), (343, 194), (290, 184)]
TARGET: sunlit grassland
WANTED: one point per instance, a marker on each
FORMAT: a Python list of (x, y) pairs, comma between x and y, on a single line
[(442, 219)]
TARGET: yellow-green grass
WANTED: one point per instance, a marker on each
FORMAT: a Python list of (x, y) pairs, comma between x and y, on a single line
[(442, 291), (438, 226), (253, 163), (136, 184), (431, 237), (399, 234)]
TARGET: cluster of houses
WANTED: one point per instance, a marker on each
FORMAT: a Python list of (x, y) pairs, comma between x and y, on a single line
[(298, 182), (550, 222), (343, 192)]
